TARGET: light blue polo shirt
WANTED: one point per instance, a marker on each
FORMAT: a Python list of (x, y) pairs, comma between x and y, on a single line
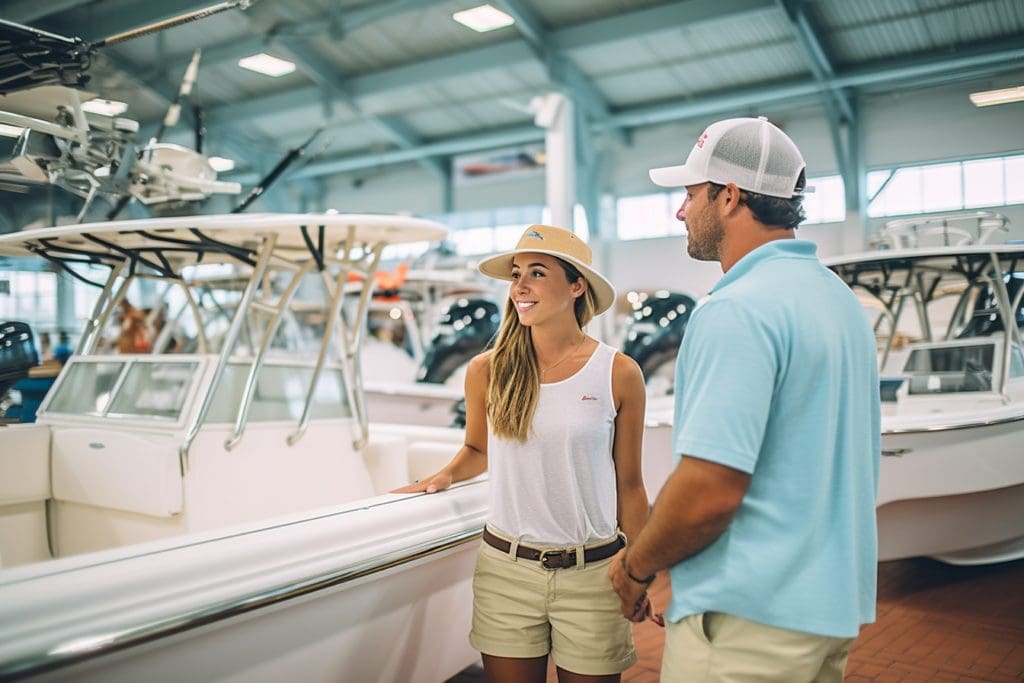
[(777, 377)]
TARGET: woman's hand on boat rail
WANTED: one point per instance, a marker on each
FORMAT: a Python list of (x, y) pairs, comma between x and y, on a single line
[(432, 484)]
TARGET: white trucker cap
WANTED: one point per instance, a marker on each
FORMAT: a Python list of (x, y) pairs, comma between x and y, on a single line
[(753, 154)]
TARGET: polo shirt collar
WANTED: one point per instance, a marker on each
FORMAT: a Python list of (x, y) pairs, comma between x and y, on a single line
[(784, 248)]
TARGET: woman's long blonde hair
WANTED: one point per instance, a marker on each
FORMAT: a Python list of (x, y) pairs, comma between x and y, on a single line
[(514, 385)]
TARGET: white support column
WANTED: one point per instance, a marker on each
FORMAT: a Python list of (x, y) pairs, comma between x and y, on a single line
[(66, 319), (554, 113)]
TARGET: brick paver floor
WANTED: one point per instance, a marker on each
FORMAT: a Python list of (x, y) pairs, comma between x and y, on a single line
[(936, 622)]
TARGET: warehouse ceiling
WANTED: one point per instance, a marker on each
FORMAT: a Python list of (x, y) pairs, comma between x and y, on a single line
[(400, 82)]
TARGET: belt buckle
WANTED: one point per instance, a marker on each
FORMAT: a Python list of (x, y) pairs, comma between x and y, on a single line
[(565, 559)]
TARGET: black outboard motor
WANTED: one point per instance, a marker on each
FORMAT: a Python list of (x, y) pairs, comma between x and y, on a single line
[(465, 328), (459, 414), (656, 329), (17, 353)]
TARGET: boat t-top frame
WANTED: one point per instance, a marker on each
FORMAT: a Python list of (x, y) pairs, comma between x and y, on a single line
[(923, 275), (344, 250)]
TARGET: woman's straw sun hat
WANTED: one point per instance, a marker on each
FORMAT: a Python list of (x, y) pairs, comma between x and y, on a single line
[(558, 242)]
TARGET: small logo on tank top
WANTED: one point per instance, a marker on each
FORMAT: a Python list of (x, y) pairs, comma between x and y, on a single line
[(588, 397)]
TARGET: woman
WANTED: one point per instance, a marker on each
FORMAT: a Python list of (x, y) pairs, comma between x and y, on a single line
[(557, 418)]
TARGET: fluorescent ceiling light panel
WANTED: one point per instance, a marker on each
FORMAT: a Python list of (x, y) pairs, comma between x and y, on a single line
[(266, 64), (483, 18), (1003, 96), (105, 107), (221, 164), (10, 131)]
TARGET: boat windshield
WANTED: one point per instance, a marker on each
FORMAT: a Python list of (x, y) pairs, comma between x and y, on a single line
[(950, 369), (279, 394), (132, 388)]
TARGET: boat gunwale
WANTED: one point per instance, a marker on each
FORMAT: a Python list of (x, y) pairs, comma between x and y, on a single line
[(61, 656)]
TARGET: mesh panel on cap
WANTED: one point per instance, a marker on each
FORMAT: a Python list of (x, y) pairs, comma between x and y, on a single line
[(737, 159), (783, 158)]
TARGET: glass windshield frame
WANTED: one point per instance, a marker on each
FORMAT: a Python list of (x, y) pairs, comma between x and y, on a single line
[(198, 367)]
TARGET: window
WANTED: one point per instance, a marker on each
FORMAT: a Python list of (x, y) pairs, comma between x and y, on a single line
[(983, 183), (654, 215), (32, 299), (492, 230), (941, 187), (648, 215), (1015, 180), (965, 184), (827, 204)]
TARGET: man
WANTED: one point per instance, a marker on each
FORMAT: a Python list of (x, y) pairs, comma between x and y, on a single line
[(768, 521)]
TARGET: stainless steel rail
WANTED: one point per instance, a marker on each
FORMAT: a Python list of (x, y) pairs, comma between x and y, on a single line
[(257, 362), (949, 427), (228, 345), (81, 649), (92, 326), (907, 430), (1010, 332)]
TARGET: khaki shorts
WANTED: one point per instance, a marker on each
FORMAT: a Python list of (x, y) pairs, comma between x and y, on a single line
[(522, 610), (716, 648)]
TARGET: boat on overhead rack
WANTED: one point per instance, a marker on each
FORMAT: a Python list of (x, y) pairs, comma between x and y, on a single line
[(951, 360), (214, 503)]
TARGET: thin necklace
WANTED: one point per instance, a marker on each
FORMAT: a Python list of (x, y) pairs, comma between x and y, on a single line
[(565, 357)]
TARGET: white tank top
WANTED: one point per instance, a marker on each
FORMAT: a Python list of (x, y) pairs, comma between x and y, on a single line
[(558, 488)]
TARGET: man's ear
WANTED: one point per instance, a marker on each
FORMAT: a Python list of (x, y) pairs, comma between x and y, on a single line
[(732, 197)]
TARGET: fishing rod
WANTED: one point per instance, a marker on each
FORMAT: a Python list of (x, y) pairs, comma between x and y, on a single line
[(275, 173), (184, 90), (186, 18)]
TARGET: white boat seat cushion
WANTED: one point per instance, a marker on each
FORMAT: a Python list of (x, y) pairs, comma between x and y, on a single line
[(386, 459), (120, 470), (427, 457), (25, 464)]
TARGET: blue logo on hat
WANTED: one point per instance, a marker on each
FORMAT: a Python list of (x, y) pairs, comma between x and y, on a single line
[(534, 233)]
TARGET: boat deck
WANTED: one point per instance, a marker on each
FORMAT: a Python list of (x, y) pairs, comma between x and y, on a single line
[(936, 622)]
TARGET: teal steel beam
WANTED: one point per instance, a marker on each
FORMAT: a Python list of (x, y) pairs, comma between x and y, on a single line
[(996, 56), (561, 70), (324, 75), (94, 24), (509, 53), (588, 34), (777, 95), (491, 140), (29, 11), (821, 65), (837, 103), (342, 20)]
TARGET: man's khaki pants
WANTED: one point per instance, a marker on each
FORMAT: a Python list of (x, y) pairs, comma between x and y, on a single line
[(720, 648)]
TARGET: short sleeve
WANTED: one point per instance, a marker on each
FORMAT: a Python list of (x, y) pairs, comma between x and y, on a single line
[(725, 379)]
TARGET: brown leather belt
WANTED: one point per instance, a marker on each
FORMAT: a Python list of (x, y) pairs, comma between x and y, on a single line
[(559, 558)]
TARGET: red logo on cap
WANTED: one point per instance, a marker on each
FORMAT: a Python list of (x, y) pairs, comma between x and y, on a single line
[(701, 139)]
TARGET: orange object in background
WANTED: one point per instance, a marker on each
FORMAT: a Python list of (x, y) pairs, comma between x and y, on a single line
[(136, 336)]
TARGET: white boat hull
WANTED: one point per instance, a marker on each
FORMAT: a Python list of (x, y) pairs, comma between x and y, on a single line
[(954, 491), (955, 494), (377, 591), (429, 405)]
